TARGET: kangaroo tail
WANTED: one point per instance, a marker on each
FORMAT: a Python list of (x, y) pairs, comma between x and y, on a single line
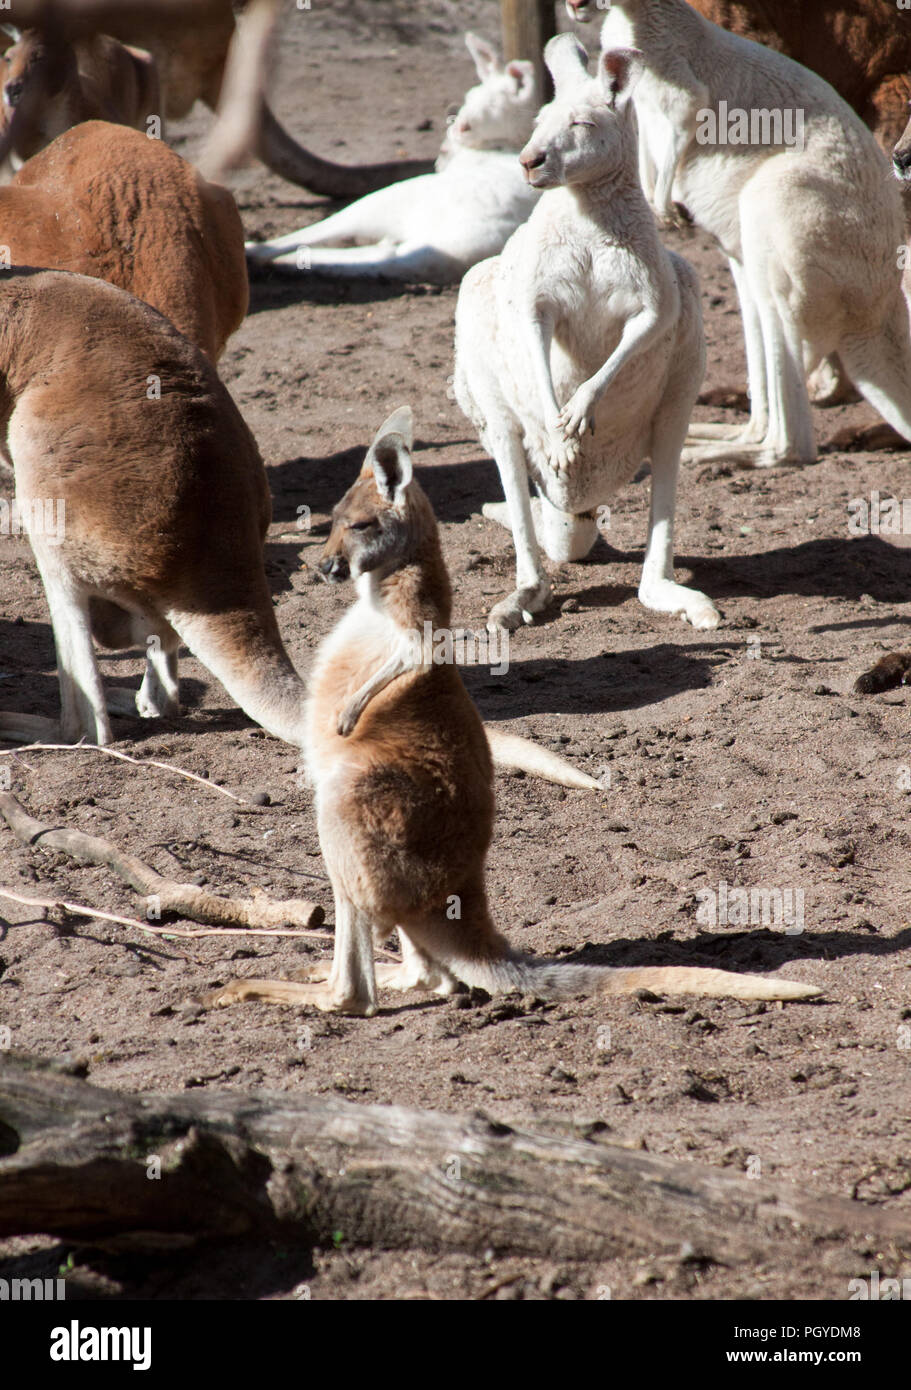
[(552, 980), (511, 751), (243, 649), (27, 728)]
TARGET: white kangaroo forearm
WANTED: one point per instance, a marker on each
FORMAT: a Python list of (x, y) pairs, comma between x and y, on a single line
[(540, 337), (638, 335)]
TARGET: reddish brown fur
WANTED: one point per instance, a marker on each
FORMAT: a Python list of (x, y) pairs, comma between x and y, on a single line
[(48, 86), (167, 502), (106, 201), (415, 803)]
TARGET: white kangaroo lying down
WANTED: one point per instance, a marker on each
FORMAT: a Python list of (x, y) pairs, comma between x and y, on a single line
[(579, 350), (434, 227), (812, 233)]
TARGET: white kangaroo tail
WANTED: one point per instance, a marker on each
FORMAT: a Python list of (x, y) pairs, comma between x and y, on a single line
[(27, 728), (520, 754), (552, 980)]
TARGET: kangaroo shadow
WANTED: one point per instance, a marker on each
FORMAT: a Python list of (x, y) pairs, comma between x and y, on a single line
[(760, 949), (843, 568), (605, 684), (275, 287)]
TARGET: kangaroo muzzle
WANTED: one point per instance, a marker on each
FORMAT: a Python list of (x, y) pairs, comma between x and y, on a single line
[(334, 568)]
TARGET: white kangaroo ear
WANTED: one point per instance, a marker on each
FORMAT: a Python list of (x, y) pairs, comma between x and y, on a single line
[(390, 459), (14, 33), (485, 56), (619, 71), (523, 74), (401, 421), (567, 61)]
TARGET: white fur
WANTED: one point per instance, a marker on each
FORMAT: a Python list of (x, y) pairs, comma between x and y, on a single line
[(434, 227), (583, 321), (811, 234)]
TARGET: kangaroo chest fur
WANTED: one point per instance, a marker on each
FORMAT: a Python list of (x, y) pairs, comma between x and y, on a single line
[(596, 281)]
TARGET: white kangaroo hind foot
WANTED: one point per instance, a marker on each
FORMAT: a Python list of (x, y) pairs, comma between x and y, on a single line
[(579, 350)]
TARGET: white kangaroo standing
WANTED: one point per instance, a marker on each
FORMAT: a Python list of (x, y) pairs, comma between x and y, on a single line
[(434, 227), (812, 230), (579, 350)]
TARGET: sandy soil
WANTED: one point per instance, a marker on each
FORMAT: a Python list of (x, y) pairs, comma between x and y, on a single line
[(737, 757)]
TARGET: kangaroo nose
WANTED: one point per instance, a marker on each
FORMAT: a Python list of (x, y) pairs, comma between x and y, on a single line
[(334, 567), (901, 160), (533, 160), (12, 92)]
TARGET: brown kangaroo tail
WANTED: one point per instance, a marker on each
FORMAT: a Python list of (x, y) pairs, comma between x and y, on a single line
[(511, 751), (284, 156), (244, 650)]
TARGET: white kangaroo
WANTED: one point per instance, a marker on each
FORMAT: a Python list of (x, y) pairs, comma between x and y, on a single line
[(811, 229), (579, 350), (434, 227)]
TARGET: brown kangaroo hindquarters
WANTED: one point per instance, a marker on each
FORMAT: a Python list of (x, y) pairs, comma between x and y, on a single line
[(121, 434), (105, 201)]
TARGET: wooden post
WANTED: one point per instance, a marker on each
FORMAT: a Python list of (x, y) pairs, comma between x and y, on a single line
[(527, 25)]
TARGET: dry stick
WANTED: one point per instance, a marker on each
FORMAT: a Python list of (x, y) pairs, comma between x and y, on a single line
[(184, 899), (124, 757), (81, 910)]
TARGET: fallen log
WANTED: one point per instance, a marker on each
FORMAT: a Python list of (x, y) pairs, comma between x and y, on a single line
[(80, 1163)]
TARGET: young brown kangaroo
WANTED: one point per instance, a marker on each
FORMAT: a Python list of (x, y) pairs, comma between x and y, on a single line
[(161, 508), (404, 790), (49, 85)]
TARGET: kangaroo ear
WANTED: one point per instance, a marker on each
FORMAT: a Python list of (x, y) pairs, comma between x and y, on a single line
[(401, 421), (11, 30), (485, 56), (390, 459), (566, 60), (523, 74), (619, 71)]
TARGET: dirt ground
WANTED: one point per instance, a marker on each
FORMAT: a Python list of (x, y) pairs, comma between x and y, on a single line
[(738, 757)]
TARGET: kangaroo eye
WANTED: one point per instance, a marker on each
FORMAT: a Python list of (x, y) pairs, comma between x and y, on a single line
[(361, 525), (591, 124)]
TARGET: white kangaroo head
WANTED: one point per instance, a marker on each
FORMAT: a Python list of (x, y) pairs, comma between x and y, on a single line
[(585, 134), (499, 112)]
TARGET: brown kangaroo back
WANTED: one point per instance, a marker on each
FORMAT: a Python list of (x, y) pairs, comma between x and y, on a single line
[(106, 201)]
